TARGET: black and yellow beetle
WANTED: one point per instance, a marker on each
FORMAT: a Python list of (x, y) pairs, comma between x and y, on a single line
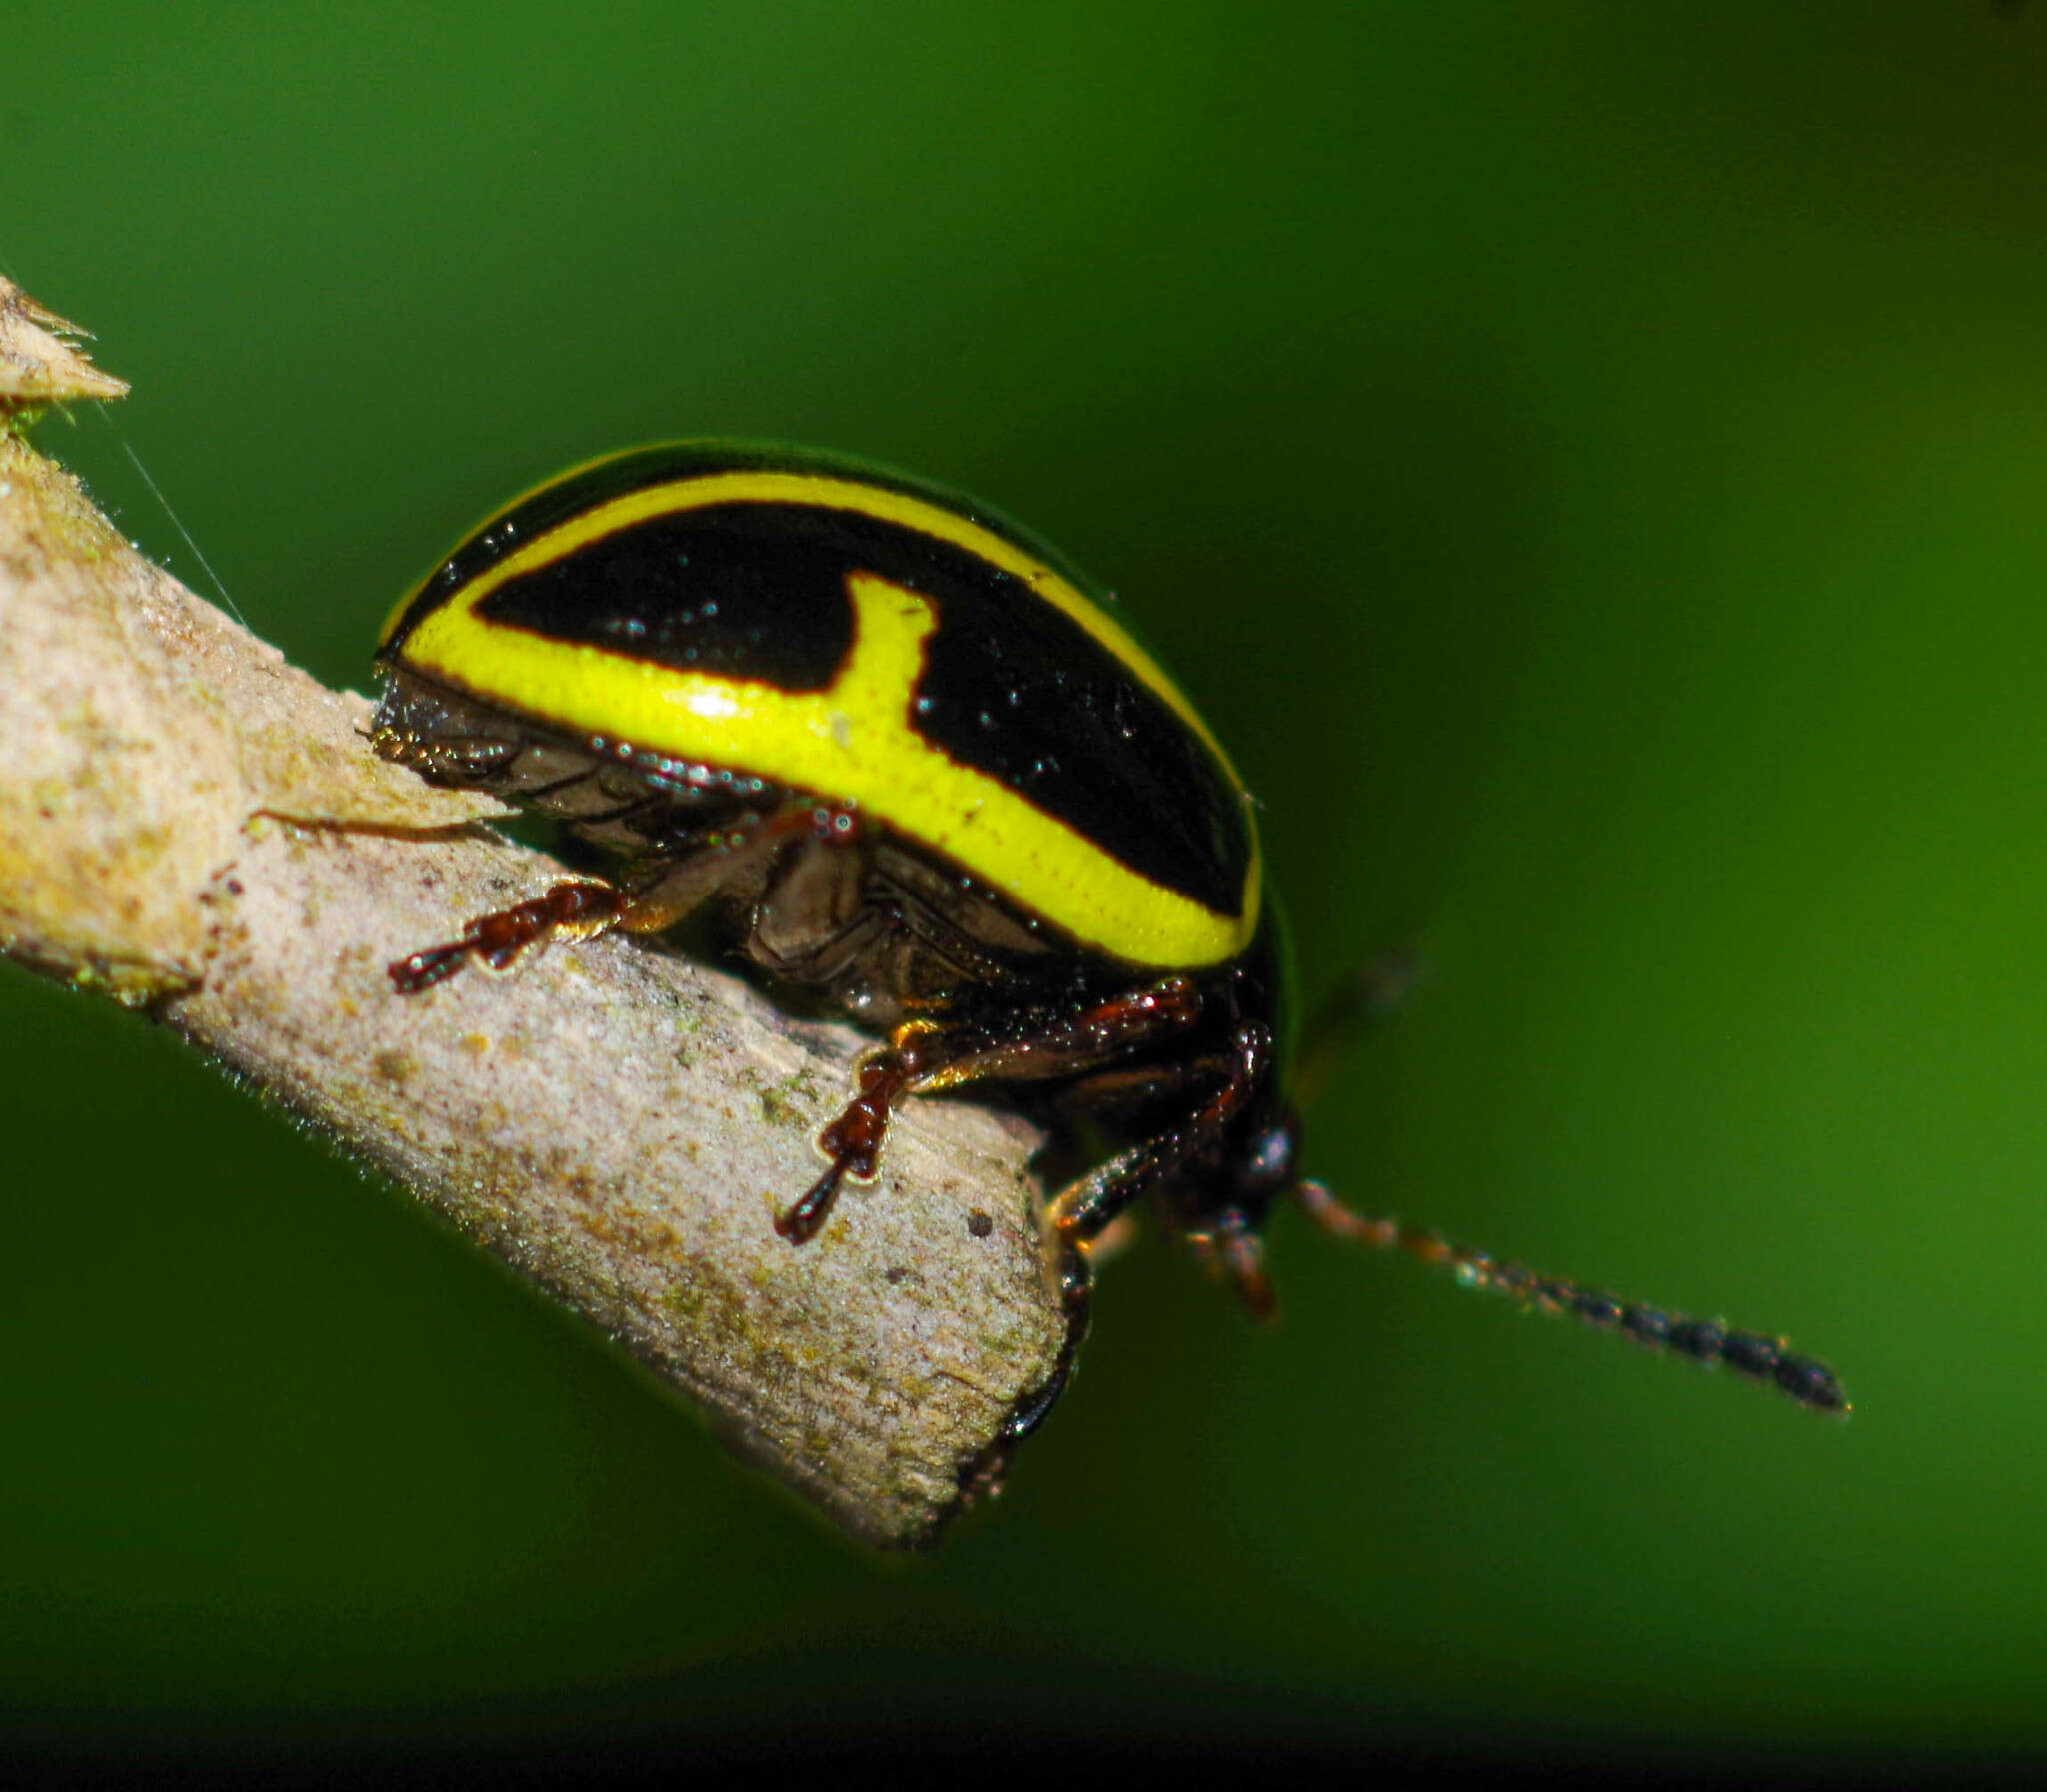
[(913, 761)]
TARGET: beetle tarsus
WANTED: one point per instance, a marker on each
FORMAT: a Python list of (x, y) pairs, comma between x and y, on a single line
[(422, 970), (576, 909), (1234, 1251), (853, 1140), (806, 1219)]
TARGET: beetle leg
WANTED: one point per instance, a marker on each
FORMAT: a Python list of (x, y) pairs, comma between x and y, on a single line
[(1057, 1045), (682, 879), (853, 1141), (922, 1059), (1084, 1208), (1232, 1249), (582, 907), (574, 909)]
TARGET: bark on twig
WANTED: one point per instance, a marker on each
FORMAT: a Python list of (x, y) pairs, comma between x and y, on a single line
[(194, 827)]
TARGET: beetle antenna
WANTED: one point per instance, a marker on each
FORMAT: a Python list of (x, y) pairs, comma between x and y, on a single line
[(1804, 1378), (1367, 999)]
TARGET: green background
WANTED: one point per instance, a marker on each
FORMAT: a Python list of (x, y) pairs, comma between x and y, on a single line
[(1587, 461)]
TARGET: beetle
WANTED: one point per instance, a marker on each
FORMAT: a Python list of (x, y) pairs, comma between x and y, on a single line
[(910, 759)]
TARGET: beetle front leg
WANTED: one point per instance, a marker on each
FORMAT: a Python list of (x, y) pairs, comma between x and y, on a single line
[(1084, 1209)]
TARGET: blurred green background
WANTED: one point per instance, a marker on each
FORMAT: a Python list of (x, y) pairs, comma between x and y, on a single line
[(1586, 460)]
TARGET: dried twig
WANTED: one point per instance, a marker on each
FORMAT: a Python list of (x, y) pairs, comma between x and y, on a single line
[(194, 827)]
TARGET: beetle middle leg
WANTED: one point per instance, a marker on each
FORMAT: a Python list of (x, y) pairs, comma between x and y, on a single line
[(923, 1058)]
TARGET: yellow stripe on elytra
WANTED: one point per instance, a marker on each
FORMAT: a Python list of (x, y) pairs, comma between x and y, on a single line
[(850, 742), (701, 490)]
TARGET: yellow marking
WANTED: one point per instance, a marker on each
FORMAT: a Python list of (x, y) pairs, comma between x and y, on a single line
[(852, 742), (697, 491)]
